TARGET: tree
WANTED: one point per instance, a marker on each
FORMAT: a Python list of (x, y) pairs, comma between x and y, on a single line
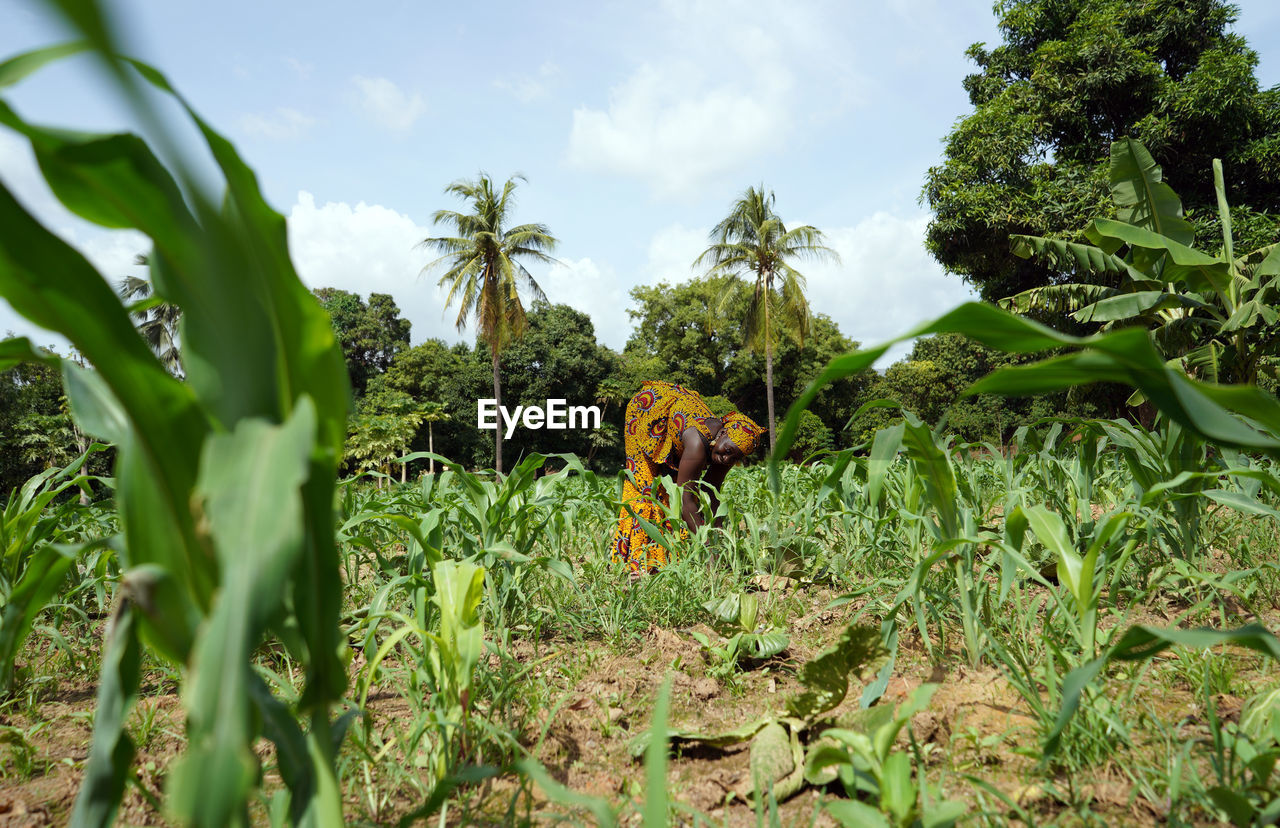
[(29, 394), (681, 336), (432, 413), (692, 334), (36, 428), (381, 430), (484, 269), (931, 380), (370, 334), (559, 358), (753, 241), (812, 436), (155, 319), (1072, 76), (433, 373)]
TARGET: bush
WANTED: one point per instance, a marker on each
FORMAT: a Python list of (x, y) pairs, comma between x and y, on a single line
[(812, 435)]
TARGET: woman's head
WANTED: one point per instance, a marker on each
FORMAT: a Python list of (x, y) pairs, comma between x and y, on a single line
[(738, 438)]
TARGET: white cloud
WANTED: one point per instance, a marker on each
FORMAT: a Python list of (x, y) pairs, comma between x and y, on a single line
[(301, 68), (715, 93), (596, 290), (389, 105), (284, 124), (672, 251), (529, 88), (886, 282), (677, 135), (370, 249)]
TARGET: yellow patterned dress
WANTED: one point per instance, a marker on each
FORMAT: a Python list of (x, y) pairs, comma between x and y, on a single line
[(656, 420)]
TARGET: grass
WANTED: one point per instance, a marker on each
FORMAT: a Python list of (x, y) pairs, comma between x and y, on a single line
[(572, 675)]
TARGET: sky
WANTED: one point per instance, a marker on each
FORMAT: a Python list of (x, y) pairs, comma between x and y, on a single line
[(635, 126)]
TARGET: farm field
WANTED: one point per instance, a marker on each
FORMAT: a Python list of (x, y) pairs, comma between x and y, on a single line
[(574, 657), (231, 595)]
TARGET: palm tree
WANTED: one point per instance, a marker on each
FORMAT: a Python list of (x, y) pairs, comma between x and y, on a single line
[(484, 272), (753, 242), (157, 321)]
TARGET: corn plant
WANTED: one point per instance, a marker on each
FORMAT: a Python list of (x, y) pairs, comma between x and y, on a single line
[(1245, 758), (500, 523), (443, 654), (34, 563), (1226, 416), (225, 480), (878, 779)]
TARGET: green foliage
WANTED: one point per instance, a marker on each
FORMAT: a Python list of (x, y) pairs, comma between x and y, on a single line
[(720, 405), (812, 436), (382, 429), (872, 771), (371, 335), (443, 659), (1215, 313), (31, 400), (34, 560), (1069, 77), (932, 379), (559, 358), (1244, 760), (451, 376), (225, 481), (826, 676), (735, 618), (692, 333)]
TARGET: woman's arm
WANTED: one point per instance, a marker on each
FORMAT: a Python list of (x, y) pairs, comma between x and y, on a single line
[(692, 461), (713, 478)]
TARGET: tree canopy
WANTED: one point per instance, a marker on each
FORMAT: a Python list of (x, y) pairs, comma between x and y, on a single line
[(371, 334), (1070, 77), (692, 333)]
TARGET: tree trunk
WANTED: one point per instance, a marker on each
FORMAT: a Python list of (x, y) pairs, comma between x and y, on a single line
[(83, 444), (431, 447), (404, 471), (768, 361), (497, 396)]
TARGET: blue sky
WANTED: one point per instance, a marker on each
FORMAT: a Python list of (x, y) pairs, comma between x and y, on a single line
[(636, 125)]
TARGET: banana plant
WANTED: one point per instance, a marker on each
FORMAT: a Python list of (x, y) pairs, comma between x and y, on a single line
[(1213, 313)]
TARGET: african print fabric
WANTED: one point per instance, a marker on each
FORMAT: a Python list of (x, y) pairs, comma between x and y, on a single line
[(652, 437)]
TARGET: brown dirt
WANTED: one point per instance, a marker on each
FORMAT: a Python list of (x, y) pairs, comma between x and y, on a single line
[(976, 724)]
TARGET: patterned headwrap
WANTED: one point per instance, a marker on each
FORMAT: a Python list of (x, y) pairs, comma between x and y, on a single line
[(743, 431)]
